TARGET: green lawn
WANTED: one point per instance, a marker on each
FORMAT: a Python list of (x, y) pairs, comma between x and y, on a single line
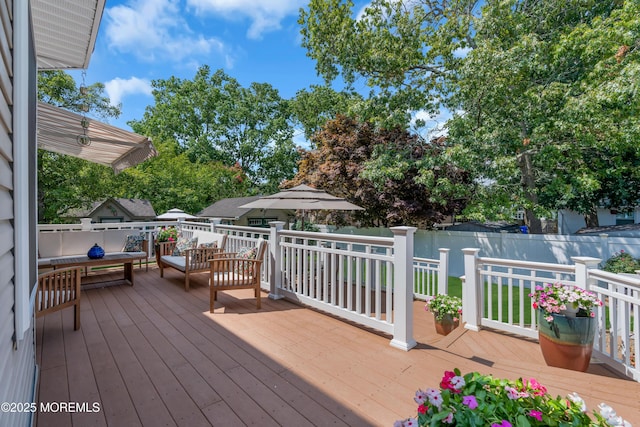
[(455, 289)]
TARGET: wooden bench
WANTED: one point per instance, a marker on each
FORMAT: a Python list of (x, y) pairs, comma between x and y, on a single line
[(57, 290), (193, 261)]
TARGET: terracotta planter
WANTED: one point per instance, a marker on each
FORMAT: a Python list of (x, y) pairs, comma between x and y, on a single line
[(567, 342), (446, 325)]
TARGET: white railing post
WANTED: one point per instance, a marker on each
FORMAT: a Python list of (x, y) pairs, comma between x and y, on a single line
[(275, 279), (443, 271), (471, 291), (402, 288), (584, 263), (85, 223)]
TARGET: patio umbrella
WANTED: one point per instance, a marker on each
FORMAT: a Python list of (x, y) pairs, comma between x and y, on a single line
[(64, 132), (302, 198), (174, 213)]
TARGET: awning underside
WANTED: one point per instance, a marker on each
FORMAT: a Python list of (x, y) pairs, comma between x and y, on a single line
[(58, 131)]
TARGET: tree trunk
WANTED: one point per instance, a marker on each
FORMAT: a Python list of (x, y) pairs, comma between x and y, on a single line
[(591, 218), (529, 186)]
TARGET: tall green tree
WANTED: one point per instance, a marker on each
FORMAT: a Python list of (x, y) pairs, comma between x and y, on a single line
[(546, 91), (214, 118), (314, 107), (403, 51), (550, 104)]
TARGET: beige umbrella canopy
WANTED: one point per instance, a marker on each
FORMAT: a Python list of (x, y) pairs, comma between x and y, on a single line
[(175, 213), (302, 198), (62, 131)]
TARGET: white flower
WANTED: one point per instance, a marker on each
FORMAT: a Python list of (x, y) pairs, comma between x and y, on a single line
[(420, 397), (611, 417), (578, 401), (457, 382), (435, 397)]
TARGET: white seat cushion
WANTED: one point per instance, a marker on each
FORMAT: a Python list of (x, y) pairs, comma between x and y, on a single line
[(177, 262)]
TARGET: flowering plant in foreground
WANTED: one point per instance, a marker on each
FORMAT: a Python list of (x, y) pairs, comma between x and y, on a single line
[(443, 304), (481, 400), (558, 298)]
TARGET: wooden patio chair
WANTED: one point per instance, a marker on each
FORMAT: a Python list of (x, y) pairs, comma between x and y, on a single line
[(59, 289), (230, 271)]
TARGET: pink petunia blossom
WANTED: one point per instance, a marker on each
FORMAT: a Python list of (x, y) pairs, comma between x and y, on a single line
[(536, 414)]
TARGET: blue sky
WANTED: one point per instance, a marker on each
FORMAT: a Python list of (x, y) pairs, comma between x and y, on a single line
[(144, 40)]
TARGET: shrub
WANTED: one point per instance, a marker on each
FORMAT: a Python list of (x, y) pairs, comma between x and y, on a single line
[(621, 262)]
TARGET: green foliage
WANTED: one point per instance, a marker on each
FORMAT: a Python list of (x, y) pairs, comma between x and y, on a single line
[(58, 88), (622, 262), (442, 304), (546, 93), (395, 177), (214, 118), (312, 109)]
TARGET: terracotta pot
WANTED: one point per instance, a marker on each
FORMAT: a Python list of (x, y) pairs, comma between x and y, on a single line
[(567, 342), (446, 325)]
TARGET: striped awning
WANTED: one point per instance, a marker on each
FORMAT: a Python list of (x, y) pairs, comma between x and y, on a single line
[(62, 131)]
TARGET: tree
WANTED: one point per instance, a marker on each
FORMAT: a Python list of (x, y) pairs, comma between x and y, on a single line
[(555, 128), (546, 91), (313, 108), (171, 180), (65, 182), (393, 175), (213, 118), (404, 51)]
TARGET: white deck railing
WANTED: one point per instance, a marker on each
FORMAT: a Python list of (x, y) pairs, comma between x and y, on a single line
[(510, 282)]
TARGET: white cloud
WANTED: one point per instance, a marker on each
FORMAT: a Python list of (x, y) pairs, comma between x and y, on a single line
[(155, 30), (118, 88), (265, 15)]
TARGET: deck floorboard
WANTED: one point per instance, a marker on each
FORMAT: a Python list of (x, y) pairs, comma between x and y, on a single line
[(153, 355)]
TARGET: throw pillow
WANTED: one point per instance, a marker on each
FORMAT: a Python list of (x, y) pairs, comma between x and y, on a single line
[(244, 268), (183, 244), (247, 253), (133, 243), (208, 245)]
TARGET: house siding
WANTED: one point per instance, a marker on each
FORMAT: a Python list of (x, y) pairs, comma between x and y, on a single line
[(17, 354)]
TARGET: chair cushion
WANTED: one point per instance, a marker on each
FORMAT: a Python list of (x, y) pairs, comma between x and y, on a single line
[(133, 243), (183, 244), (177, 262)]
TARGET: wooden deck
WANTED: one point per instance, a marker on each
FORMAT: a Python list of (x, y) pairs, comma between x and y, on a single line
[(152, 355)]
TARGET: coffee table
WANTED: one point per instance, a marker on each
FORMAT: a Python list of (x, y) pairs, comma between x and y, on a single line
[(109, 259)]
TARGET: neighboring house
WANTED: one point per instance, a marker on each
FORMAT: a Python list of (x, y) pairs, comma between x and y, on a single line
[(115, 210), (36, 35), (229, 212), (569, 222)]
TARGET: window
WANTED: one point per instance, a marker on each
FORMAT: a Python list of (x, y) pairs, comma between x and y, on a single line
[(623, 218), (261, 222)]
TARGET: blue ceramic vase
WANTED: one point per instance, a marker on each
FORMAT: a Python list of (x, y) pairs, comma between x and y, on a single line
[(95, 252)]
